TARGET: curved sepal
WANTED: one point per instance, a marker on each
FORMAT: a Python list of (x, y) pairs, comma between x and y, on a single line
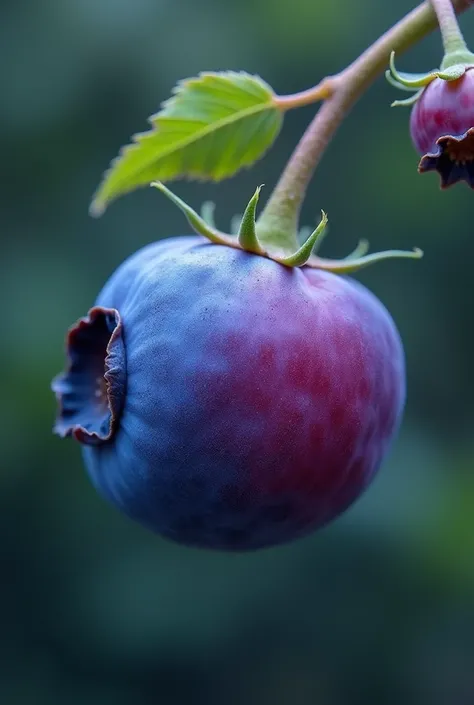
[(420, 80), (348, 266), (407, 102), (302, 255), (197, 223), (396, 84), (247, 234)]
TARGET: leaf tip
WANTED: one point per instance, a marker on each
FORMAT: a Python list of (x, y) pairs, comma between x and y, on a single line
[(97, 208)]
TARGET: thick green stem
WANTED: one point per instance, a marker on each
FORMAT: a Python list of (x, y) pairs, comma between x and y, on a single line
[(280, 217), (453, 41)]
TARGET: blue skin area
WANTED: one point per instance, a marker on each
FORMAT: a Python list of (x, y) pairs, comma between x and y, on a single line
[(193, 454)]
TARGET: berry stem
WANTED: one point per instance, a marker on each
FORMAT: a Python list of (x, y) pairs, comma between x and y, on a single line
[(322, 91), (453, 41), (280, 217)]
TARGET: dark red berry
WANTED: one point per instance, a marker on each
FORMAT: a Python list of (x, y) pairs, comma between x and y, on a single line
[(442, 129)]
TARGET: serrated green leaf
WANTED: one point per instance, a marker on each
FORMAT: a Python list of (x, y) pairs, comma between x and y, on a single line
[(213, 126)]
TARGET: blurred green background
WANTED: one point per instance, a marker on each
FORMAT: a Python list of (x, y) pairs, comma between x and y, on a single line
[(379, 606)]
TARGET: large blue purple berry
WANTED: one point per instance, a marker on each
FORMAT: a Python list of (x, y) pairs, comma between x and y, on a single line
[(227, 401)]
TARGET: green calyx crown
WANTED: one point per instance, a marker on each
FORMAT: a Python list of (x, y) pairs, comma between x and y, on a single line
[(249, 239), (455, 63)]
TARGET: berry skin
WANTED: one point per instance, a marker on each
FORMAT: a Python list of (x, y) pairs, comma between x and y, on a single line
[(226, 401), (442, 129)]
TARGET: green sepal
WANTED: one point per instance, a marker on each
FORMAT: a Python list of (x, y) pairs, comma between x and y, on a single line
[(197, 223), (304, 255), (419, 80), (301, 256), (306, 231), (247, 234), (407, 102), (396, 84), (348, 266)]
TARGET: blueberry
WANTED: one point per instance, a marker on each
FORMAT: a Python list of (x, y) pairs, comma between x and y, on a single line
[(226, 401)]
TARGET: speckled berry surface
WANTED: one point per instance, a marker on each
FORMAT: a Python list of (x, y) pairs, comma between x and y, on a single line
[(442, 129), (252, 402)]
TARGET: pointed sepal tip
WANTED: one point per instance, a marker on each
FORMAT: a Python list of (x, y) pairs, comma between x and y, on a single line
[(302, 255), (247, 234)]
